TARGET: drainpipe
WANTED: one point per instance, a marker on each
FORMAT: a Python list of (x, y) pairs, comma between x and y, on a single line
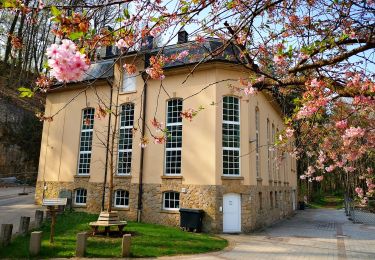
[(107, 150), (140, 191)]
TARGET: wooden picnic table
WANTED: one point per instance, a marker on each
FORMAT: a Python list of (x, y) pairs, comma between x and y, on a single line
[(107, 220)]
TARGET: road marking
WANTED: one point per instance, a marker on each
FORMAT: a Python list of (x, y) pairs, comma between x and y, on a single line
[(341, 250)]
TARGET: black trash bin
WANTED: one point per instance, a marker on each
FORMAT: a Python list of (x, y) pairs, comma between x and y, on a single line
[(301, 205), (191, 219)]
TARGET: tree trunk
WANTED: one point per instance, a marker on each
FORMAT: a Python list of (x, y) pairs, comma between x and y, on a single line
[(112, 149), (11, 31)]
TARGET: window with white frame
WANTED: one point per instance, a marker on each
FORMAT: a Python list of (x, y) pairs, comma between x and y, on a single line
[(231, 136), (171, 200), (268, 149), (85, 146), (121, 199), (80, 196), (173, 146), (129, 82), (257, 148), (125, 143)]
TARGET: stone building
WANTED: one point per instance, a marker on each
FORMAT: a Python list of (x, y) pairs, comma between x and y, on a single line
[(219, 162)]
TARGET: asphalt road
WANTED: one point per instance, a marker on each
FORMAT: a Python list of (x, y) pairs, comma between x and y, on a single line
[(13, 206)]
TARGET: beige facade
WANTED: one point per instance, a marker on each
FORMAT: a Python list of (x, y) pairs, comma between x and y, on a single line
[(201, 183)]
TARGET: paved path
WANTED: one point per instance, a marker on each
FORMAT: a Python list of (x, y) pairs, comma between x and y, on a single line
[(311, 234), (13, 206)]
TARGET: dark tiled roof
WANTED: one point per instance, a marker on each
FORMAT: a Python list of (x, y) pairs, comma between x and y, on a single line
[(100, 70), (197, 52)]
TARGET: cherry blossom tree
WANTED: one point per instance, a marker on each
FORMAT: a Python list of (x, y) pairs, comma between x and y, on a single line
[(315, 56)]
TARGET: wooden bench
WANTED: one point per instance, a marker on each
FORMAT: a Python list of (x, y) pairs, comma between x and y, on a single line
[(107, 220)]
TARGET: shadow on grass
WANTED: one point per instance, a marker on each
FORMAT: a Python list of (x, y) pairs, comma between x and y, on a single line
[(149, 240)]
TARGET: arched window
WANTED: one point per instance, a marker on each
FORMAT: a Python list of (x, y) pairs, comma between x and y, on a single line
[(125, 142), (231, 136), (85, 146), (173, 146), (257, 142), (80, 196), (121, 199), (171, 200)]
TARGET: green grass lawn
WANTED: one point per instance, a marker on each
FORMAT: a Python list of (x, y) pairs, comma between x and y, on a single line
[(328, 201), (148, 241)]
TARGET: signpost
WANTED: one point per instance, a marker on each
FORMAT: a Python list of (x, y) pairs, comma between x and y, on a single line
[(52, 206)]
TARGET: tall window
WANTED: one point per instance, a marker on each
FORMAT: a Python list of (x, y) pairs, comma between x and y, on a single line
[(125, 139), (268, 149), (128, 82), (85, 146), (273, 153), (121, 198), (171, 200), (173, 145), (231, 136), (257, 161), (271, 200), (80, 196)]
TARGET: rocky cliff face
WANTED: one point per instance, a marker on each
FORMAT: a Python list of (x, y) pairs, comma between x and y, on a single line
[(20, 131), (20, 135)]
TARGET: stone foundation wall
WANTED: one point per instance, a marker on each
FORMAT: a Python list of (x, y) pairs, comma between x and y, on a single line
[(94, 194), (254, 214)]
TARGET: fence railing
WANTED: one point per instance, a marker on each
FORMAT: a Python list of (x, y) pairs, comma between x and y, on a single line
[(357, 213)]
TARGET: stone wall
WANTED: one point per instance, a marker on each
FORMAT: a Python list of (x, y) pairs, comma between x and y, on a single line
[(255, 214)]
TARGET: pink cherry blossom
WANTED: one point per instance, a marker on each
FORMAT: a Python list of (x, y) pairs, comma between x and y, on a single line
[(303, 56), (307, 111), (359, 192), (319, 178), (67, 64), (41, 5), (249, 91), (354, 132), (349, 169), (315, 83), (330, 168), (182, 54), (155, 31), (289, 132), (52, 50), (121, 44), (279, 60), (341, 124)]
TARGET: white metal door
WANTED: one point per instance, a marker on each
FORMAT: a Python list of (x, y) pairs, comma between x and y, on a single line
[(232, 213), (294, 199)]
